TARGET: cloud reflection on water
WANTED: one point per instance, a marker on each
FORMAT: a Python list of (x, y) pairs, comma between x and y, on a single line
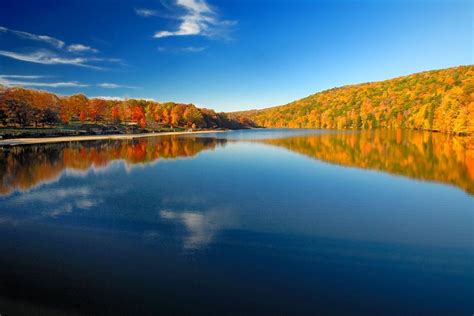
[(201, 226)]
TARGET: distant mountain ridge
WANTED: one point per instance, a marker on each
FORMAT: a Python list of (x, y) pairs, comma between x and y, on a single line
[(437, 100)]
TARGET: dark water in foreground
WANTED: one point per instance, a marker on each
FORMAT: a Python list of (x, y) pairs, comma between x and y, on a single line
[(260, 222)]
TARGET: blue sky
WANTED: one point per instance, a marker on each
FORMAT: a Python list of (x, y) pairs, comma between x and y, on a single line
[(227, 55)]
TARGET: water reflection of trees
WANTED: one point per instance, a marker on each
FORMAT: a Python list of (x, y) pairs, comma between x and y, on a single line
[(419, 155), (23, 167)]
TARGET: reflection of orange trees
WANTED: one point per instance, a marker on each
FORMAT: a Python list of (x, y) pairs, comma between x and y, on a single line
[(24, 167), (19, 168), (420, 155)]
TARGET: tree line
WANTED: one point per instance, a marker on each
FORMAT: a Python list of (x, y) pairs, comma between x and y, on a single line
[(21, 108), (440, 100)]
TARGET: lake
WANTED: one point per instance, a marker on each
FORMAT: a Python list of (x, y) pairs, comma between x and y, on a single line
[(242, 222)]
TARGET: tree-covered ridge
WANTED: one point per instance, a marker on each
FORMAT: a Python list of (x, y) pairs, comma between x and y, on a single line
[(21, 108), (24, 167), (439, 100), (415, 154)]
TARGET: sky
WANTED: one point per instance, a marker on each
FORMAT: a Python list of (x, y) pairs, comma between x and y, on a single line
[(227, 55)]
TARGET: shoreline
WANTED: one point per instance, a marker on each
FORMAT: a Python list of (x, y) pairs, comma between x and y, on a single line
[(64, 139)]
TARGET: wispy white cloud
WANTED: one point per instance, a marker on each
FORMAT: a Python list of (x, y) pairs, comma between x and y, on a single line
[(49, 84), (146, 12), (49, 40), (79, 48), (48, 58), (108, 60), (199, 19), (115, 98), (193, 49), (34, 37), (109, 98), (60, 54), (23, 76), (19, 80), (188, 49), (7, 81), (108, 85)]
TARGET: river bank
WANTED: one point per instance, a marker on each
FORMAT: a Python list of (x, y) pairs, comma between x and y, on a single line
[(61, 139)]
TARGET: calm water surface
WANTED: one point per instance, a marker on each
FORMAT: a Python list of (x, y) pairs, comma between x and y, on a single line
[(260, 222)]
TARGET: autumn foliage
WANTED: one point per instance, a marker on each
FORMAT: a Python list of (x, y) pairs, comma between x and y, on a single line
[(440, 100), (21, 108)]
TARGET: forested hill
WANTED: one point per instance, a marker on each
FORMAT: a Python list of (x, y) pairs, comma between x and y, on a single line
[(439, 100)]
